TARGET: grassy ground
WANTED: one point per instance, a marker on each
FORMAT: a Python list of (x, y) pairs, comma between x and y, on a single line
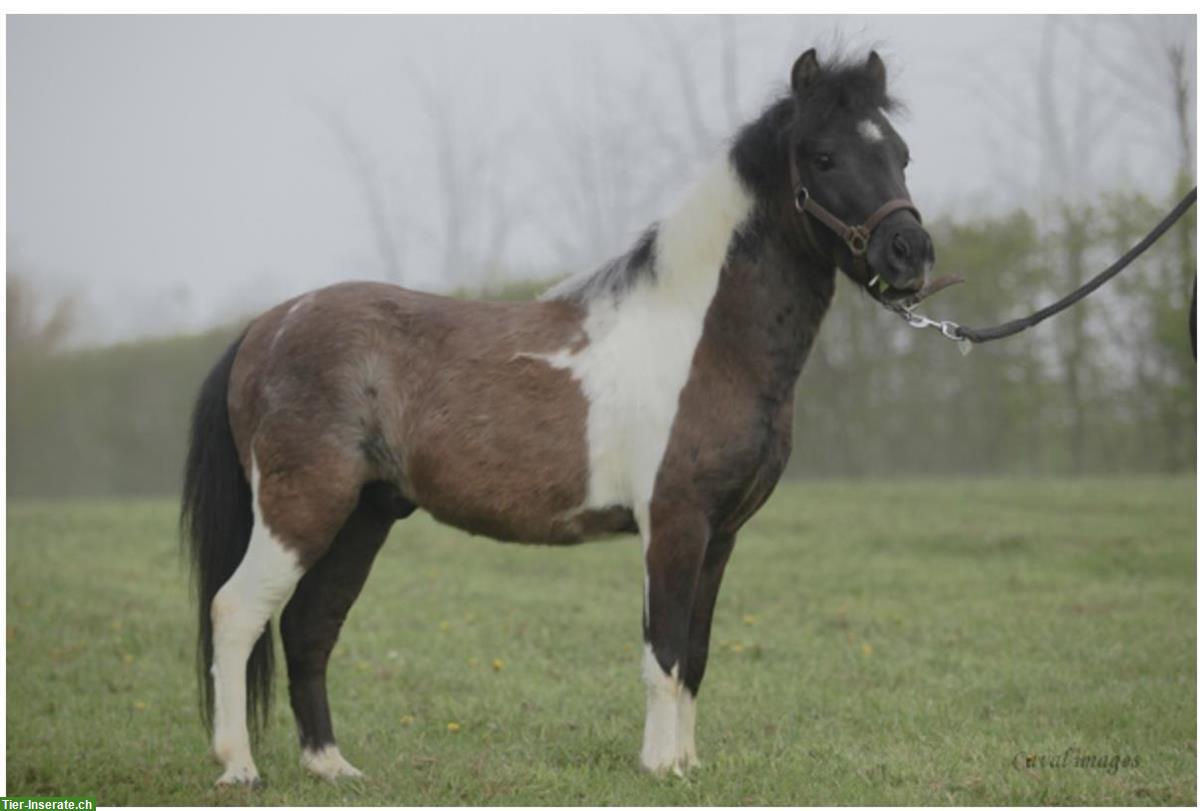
[(875, 643)]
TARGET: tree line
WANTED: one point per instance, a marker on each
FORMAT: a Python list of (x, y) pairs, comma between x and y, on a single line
[(1107, 387)]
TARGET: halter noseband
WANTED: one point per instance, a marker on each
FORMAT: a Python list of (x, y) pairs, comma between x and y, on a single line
[(856, 237)]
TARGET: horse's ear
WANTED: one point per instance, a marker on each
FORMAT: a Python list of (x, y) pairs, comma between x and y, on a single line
[(806, 70), (877, 71)]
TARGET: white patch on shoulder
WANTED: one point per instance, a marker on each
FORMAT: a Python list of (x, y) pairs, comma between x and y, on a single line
[(641, 343), (870, 131), (327, 763), (660, 752)]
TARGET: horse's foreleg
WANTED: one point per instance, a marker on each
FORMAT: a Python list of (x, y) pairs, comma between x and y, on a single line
[(310, 626), (674, 553), (709, 583)]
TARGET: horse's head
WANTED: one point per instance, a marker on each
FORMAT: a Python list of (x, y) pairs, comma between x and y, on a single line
[(847, 165)]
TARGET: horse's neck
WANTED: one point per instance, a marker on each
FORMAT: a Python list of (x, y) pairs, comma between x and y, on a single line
[(775, 288), (747, 260), (723, 271), (769, 305)]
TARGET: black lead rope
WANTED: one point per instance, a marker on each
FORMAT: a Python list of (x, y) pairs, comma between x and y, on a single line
[(976, 335)]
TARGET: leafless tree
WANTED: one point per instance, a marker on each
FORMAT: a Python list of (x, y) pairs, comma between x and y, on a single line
[(624, 146), (1155, 84), (700, 88), (35, 324), (364, 169), (1158, 86), (479, 206), (1060, 127), (477, 209), (606, 174)]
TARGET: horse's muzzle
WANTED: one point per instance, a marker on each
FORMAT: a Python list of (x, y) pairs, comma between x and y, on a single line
[(902, 253)]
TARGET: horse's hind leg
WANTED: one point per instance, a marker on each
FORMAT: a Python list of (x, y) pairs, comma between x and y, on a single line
[(310, 625), (291, 514), (240, 610)]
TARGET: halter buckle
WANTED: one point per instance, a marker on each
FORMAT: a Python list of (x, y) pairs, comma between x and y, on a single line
[(857, 239)]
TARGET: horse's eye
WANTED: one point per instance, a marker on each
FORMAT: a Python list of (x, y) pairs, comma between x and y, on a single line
[(824, 161)]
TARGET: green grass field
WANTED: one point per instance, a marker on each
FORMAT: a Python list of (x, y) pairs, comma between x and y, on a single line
[(874, 643)]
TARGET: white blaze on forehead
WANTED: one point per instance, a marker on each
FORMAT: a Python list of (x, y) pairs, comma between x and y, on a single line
[(870, 131)]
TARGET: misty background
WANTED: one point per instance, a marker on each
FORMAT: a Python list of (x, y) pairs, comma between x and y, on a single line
[(169, 177)]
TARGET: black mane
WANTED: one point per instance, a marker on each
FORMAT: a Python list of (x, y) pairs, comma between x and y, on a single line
[(843, 84), (759, 151), (614, 277)]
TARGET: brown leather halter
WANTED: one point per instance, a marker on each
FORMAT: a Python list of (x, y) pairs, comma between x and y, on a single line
[(856, 237)]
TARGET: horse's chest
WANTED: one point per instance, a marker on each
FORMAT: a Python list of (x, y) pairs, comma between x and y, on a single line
[(728, 447), (631, 375)]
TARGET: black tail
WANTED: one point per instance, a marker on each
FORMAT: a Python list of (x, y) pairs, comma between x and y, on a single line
[(215, 521)]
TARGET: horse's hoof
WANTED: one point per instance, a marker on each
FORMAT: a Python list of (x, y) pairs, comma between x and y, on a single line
[(328, 764), (674, 770), (240, 778), (660, 770), (347, 772), (685, 758)]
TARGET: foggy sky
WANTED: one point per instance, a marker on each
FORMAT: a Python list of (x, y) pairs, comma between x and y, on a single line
[(173, 172)]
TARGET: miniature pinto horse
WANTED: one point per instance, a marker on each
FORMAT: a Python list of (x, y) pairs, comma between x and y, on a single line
[(651, 397)]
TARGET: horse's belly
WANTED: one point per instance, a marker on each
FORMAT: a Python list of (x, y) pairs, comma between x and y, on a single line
[(511, 461), (532, 521), (564, 530)]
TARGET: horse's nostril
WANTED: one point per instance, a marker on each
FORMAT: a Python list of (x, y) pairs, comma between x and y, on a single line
[(900, 249)]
